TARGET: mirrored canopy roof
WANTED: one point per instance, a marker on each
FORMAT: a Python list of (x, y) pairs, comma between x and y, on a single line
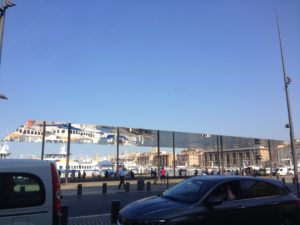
[(57, 132)]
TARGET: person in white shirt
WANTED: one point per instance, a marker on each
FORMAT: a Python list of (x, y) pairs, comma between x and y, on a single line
[(122, 174)]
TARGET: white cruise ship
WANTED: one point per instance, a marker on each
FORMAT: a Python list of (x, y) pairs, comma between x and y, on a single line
[(76, 167)]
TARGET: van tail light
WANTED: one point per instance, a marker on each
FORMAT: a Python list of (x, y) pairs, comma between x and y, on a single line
[(56, 196)]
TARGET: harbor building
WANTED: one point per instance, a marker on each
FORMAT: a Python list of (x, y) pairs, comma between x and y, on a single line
[(236, 157), (283, 155)]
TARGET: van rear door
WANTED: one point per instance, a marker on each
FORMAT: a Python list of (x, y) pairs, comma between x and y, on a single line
[(24, 197)]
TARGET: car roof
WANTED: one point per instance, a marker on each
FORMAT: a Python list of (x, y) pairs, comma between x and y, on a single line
[(22, 163), (222, 178)]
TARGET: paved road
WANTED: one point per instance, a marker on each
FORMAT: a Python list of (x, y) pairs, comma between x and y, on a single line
[(100, 203), (94, 207)]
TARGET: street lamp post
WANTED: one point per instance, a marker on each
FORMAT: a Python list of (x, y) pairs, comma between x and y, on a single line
[(287, 81), (5, 5)]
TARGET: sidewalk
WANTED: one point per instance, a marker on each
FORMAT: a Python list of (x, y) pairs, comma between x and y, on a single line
[(95, 187)]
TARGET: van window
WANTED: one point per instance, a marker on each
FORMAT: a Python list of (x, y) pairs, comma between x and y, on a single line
[(19, 190)]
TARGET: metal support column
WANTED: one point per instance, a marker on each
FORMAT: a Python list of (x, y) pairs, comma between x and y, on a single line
[(118, 148), (222, 154), (270, 157), (174, 164), (68, 154), (158, 152), (43, 141), (219, 156)]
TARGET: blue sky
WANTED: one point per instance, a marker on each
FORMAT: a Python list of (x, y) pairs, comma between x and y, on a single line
[(177, 65)]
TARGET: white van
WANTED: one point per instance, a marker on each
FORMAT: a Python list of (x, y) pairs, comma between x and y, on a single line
[(291, 171), (282, 171), (29, 192)]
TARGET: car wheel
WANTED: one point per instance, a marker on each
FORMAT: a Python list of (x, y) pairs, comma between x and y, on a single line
[(288, 220)]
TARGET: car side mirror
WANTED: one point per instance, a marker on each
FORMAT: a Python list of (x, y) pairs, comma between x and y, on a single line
[(213, 201)]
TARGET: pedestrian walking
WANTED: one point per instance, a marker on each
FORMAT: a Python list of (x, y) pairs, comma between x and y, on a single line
[(162, 175), (73, 175), (122, 174), (152, 173)]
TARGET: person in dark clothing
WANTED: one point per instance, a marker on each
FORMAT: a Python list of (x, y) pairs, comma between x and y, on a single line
[(151, 173), (196, 172), (131, 174)]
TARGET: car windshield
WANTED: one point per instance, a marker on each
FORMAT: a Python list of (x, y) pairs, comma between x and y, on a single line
[(188, 191)]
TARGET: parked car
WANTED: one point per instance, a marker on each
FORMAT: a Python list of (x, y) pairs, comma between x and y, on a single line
[(271, 171), (217, 200), (29, 192), (262, 172)]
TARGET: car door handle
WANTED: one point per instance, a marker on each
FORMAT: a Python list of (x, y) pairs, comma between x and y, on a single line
[(274, 203), (240, 207)]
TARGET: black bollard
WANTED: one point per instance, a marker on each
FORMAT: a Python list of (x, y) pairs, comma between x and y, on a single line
[(283, 180), (115, 208), (79, 189), (65, 214), (104, 188), (140, 184), (148, 186), (127, 186)]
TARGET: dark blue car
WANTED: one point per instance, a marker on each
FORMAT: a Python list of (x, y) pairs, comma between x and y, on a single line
[(217, 200)]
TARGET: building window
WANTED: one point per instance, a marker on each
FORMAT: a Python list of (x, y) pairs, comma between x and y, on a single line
[(234, 158), (228, 159)]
